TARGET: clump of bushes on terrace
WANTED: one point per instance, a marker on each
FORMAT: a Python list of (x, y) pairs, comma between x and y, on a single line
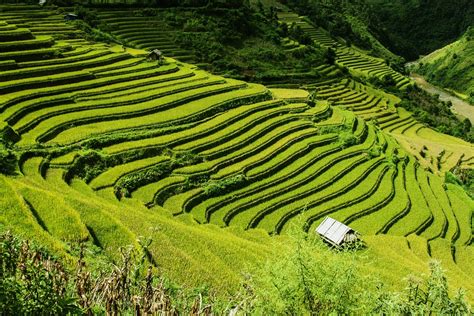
[(243, 43), (8, 160), (216, 187)]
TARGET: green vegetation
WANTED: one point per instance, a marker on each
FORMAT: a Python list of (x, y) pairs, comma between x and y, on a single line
[(452, 66), (348, 20), (307, 277), (105, 147), (414, 28), (435, 113)]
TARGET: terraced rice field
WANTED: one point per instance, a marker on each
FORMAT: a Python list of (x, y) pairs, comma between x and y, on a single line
[(145, 32), (357, 62), (435, 151), (98, 126)]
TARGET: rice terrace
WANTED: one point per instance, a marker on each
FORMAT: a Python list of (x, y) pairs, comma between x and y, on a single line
[(212, 157)]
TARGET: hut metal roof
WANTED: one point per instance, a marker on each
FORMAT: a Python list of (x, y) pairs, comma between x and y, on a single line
[(333, 230)]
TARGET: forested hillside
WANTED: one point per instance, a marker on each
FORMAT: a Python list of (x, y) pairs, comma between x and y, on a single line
[(418, 27), (406, 28), (452, 66)]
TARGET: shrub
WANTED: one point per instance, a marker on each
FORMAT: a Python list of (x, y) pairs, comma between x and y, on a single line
[(8, 161), (35, 283), (375, 151), (223, 186), (424, 297), (32, 282), (88, 165), (311, 278), (347, 139)]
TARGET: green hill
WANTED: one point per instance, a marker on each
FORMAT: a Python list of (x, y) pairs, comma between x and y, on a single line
[(106, 147), (413, 28), (452, 66)]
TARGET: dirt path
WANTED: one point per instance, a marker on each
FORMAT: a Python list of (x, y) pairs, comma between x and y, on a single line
[(460, 106)]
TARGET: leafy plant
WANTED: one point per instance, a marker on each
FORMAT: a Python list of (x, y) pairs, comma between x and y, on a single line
[(8, 161)]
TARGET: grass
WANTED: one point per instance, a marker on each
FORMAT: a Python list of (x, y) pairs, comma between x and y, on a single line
[(463, 208), (56, 218), (202, 129), (52, 112), (234, 127), (268, 142), (347, 189), (439, 225), (188, 113), (288, 200), (37, 42), (376, 222), (177, 203)]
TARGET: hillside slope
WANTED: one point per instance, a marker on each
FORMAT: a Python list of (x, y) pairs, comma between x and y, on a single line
[(114, 148), (416, 27), (452, 66)]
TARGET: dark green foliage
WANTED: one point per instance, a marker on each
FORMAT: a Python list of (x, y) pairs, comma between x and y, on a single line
[(307, 277), (330, 56), (35, 283), (430, 110), (463, 177), (347, 139), (244, 43), (32, 282), (94, 34), (8, 160), (311, 277), (134, 180), (346, 19), (414, 28), (375, 151), (219, 187), (452, 66), (424, 297), (89, 165), (386, 82)]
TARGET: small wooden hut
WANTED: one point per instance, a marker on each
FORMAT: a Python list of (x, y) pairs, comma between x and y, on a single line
[(155, 55), (71, 17), (336, 233)]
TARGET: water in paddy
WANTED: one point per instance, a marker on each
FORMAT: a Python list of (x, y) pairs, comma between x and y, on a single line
[(460, 106)]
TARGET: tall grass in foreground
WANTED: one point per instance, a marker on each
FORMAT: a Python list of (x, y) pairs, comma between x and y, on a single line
[(308, 278)]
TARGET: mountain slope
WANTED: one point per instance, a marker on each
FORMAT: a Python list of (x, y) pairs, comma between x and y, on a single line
[(113, 147), (416, 27), (452, 66)]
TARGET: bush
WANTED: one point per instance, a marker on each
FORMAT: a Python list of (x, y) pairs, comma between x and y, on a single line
[(32, 282), (309, 278), (220, 187), (8, 161), (347, 139), (35, 283)]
